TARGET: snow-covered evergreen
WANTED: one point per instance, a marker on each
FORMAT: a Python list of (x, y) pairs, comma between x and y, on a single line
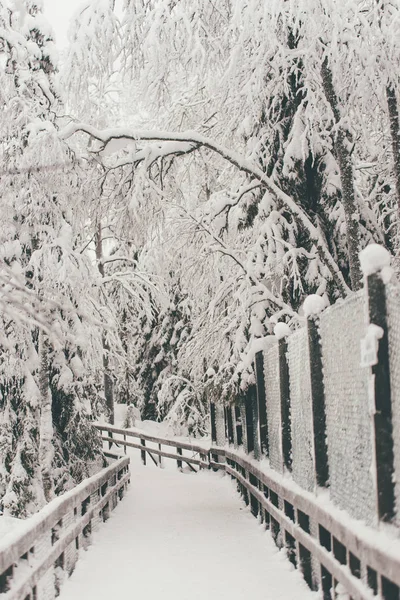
[(220, 164)]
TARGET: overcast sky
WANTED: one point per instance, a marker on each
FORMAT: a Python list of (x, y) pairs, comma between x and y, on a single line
[(59, 13)]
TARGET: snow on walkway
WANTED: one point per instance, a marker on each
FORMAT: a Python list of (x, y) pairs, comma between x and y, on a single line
[(178, 536)]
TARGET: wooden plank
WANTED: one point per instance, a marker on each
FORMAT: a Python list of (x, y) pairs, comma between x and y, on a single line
[(366, 545), (12, 552), (151, 438), (194, 461), (354, 586), (23, 588)]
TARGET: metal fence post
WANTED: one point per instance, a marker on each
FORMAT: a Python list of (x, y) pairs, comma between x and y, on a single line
[(249, 404), (229, 424), (238, 434), (383, 427), (262, 402), (213, 423), (253, 401), (318, 402)]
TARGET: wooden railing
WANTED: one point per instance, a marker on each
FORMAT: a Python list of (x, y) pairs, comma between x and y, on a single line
[(334, 552), (43, 550), (152, 447)]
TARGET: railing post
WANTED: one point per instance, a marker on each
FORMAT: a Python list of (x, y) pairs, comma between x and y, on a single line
[(313, 306), (213, 418), (373, 260), (143, 452), (159, 457), (262, 402), (179, 462)]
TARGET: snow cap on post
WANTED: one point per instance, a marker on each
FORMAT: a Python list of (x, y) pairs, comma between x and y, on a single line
[(313, 305), (282, 330), (376, 259)]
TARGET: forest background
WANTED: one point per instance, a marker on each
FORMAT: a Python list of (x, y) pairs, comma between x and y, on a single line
[(175, 185)]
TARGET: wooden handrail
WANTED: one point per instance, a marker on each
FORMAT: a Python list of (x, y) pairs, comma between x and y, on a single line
[(186, 459), (40, 541), (151, 438), (374, 549), (316, 532), (179, 457)]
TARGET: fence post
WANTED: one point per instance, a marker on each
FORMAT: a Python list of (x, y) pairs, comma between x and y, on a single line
[(179, 462), (229, 424), (213, 423), (256, 421), (262, 402), (247, 414), (373, 260), (238, 424), (285, 403), (143, 452), (313, 306), (213, 418)]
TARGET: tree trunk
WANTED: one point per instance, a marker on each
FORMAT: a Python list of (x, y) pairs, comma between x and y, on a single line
[(108, 382), (393, 111), (343, 156), (46, 420)]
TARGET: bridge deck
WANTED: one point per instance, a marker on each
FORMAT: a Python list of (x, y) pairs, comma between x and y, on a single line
[(183, 537)]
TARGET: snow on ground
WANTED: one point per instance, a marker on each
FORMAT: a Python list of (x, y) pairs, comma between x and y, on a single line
[(178, 536)]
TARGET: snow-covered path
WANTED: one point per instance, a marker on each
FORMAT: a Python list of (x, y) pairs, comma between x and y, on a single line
[(179, 536)]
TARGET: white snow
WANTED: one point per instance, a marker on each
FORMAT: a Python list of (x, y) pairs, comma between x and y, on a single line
[(375, 332), (387, 274), (8, 524), (177, 536), (313, 305), (373, 259), (282, 330)]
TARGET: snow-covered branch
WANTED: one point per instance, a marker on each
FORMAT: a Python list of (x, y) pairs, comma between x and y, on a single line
[(198, 140)]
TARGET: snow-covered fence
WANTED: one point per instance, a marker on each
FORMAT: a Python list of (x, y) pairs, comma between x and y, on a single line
[(152, 447), (332, 426), (340, 555), (326, 404), (337, 554), (43, 550), (348, 409)]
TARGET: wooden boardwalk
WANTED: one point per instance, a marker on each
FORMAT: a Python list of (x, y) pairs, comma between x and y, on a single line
[(182, 536)]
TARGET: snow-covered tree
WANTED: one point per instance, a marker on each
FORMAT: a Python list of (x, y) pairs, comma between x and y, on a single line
[(43, 375), (260, 132)]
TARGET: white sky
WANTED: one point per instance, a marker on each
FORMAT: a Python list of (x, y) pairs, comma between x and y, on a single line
[(59, 13)]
